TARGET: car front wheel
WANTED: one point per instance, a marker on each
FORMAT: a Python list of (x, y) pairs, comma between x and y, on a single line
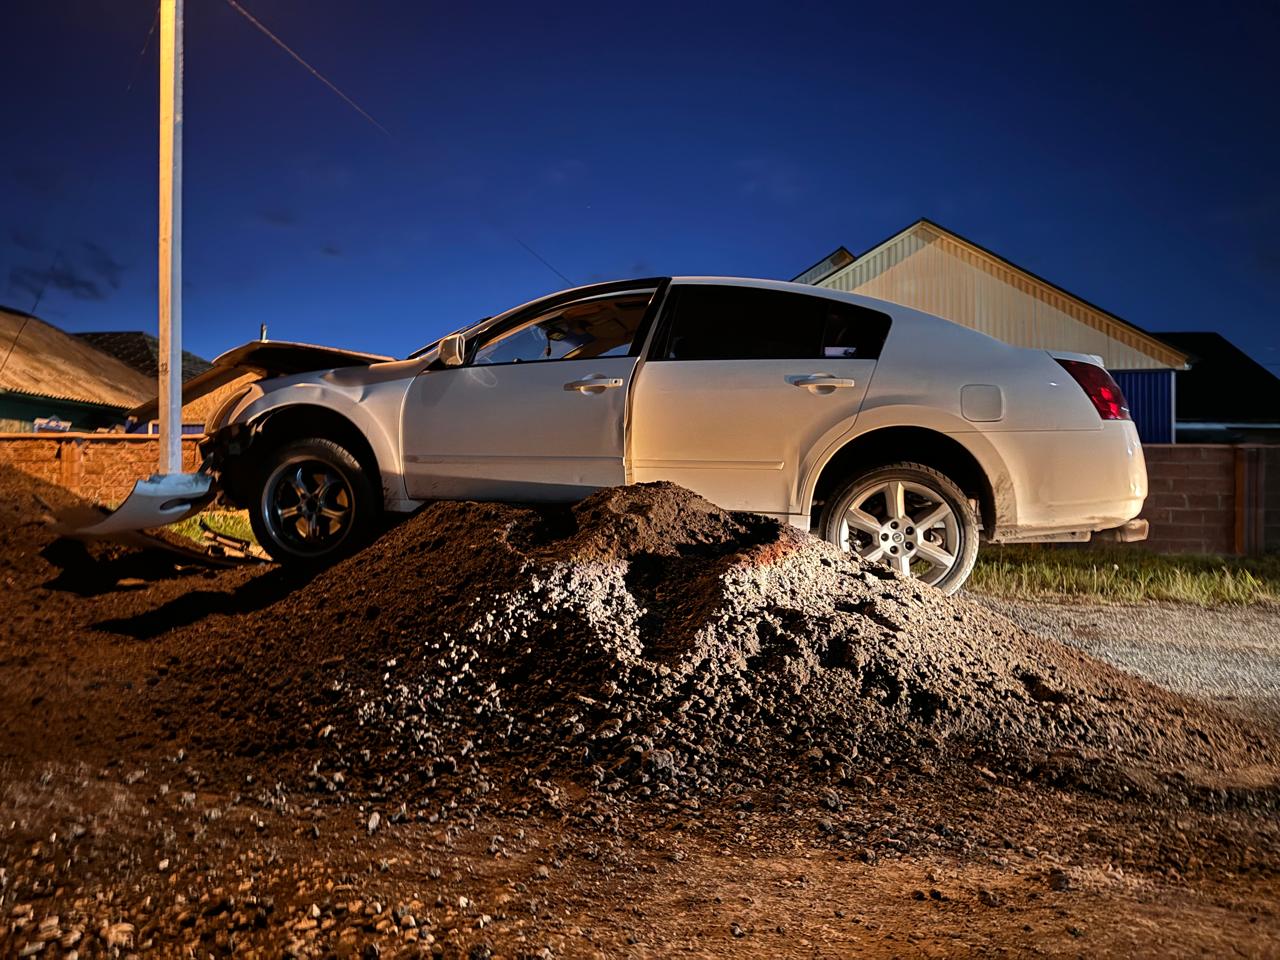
[(314, 502), (909, 517)]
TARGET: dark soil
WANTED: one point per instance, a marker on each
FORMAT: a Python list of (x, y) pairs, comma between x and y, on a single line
[(642, 726), (646, 642)]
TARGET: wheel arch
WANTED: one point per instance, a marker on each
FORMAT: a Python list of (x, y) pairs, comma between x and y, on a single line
[(295, 421), (931, 448)]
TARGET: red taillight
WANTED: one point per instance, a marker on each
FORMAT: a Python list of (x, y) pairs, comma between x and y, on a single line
[(1098, 386)]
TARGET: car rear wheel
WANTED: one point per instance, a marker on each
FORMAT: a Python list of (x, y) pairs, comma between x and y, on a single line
[(909, 517), (314, 502)]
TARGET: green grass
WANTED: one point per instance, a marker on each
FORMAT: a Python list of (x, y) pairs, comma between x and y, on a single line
[(234, 523), (1124, 575)]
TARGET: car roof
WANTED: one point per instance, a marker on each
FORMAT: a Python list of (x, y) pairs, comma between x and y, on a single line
[(787, 286)]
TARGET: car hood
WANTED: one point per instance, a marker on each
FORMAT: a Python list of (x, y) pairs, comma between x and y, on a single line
[(265, 358)]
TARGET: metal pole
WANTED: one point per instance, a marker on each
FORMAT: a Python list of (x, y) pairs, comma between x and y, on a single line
[(170, 236)]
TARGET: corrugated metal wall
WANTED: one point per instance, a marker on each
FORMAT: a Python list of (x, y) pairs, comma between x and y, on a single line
[(939, 274), (1150, 396)]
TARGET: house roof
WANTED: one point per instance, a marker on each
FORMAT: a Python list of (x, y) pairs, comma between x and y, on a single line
[(1224, 384), (38, 359), (1102, 320), (142, 352)]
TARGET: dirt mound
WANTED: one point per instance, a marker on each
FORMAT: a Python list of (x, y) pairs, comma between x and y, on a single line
[(648, 642)]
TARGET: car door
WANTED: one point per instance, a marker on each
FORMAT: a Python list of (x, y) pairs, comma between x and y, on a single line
[(741, 382), (538, 410)]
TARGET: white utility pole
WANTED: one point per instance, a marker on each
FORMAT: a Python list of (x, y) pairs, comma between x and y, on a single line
[(170, 236), (170, 494)]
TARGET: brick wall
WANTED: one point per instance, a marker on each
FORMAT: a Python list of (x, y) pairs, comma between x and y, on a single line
[(99, 467), (1191, 503)]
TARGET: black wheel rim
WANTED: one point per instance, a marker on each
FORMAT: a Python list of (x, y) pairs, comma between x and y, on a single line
[(308, 506)]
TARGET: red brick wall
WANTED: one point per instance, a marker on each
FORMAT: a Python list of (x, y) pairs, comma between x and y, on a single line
[(1191, 503), (98, 467)]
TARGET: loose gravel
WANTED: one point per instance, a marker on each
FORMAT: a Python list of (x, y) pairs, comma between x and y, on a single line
[(1228, 655)]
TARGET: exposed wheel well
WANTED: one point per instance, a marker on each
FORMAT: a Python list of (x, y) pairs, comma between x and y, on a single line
[(916, 444), (296, 422)]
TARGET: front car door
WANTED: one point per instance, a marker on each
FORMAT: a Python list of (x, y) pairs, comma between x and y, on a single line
[(537, 412), (739, 385)]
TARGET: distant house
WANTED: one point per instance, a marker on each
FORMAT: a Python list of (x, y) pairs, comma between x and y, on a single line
[(86, 382), (1226, 396), (932, 269), (51, 380), (141, 351)]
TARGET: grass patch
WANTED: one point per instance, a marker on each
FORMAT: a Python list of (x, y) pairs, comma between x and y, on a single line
[(233, 523), (1123, 575)]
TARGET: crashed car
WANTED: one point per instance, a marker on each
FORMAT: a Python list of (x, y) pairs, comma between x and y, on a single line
[(890, 432)]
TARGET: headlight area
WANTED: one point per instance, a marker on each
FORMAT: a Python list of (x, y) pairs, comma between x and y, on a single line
[(222, 457)]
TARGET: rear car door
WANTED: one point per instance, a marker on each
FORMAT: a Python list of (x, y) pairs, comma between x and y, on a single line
[(538, 410), (739, 385)]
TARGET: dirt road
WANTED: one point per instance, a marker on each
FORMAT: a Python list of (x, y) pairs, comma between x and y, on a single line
[(1228, 655)]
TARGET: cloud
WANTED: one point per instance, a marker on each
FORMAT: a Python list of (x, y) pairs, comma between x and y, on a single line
[(41, 180), (277, 216), (331, 250), (27, 240), (102, 263), (62, 276), (90, 273)]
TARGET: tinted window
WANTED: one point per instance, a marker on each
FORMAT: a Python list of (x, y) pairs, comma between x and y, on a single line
[(586, 329), (739, 323)]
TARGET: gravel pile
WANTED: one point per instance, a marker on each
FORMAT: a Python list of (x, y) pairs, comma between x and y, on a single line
[(646, 642)]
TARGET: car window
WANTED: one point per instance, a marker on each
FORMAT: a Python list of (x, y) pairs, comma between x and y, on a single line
[(714, 322), (582, 330)]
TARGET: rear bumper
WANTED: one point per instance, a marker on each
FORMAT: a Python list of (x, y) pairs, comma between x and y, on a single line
[(1065, 485)]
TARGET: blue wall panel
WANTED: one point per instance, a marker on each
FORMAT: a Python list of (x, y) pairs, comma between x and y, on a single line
[(1150, 396)]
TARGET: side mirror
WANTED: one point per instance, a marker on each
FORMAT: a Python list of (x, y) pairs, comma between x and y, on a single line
[(453, 350)]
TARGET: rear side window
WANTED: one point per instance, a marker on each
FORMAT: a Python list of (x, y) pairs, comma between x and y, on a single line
[(741, 323)]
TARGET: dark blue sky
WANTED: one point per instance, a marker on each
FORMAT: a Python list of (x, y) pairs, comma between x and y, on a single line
[(1129, 154)]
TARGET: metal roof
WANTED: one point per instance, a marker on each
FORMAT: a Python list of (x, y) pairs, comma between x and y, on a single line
[(41, 360)]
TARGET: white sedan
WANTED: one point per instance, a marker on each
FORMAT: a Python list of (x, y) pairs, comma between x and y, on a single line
[(890, 432)]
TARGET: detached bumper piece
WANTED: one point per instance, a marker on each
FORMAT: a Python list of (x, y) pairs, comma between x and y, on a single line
[(1131, 532), (156, 501)]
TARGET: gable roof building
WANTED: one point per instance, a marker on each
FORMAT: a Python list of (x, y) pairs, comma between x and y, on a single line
[(46, 373), (1226, 396), (142, 352), (930, 268)]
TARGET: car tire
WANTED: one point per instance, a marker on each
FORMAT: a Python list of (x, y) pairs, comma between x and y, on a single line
[(909, 517), (313, 503)]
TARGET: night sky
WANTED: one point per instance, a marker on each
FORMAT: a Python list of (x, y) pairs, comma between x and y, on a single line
[(1128, 154)]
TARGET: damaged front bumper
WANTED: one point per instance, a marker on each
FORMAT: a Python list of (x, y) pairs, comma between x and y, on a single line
[(159, 500)]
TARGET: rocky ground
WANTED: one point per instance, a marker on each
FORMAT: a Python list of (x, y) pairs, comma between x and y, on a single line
[(642, 727), (1228, 654)]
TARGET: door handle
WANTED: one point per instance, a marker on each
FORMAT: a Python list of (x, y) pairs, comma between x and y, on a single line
[(594, 384), (821, 380)]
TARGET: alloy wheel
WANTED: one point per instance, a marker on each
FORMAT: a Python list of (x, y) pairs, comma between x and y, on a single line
[(904, 524), (308, 505)]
